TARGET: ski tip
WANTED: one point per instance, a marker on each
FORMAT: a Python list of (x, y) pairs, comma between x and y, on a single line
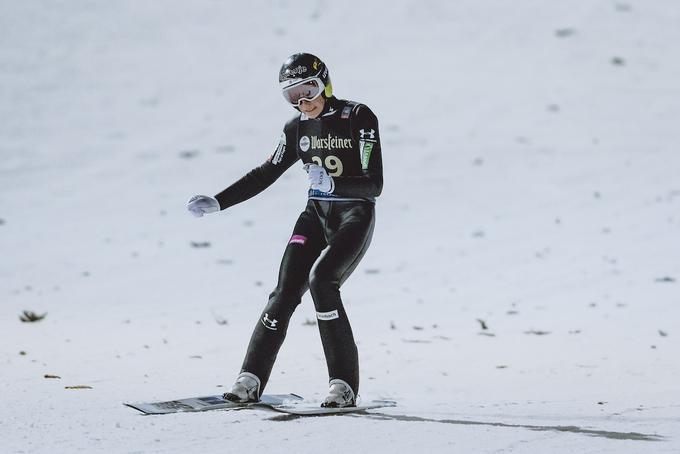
[(136, 407)]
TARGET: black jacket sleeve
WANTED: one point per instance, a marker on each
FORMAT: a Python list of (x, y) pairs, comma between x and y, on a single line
[(251, 184), (369, 184), (260, 178)]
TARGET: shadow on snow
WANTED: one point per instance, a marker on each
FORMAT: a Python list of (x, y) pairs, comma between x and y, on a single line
[(569, 429)]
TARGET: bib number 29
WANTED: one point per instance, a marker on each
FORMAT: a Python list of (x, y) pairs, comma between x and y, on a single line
[(332, 163)]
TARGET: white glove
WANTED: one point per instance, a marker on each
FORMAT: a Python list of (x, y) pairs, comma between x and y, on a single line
[(199, 205), (319, 178)]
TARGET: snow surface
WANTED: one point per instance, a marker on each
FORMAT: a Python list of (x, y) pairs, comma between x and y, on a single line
[(531, 182)]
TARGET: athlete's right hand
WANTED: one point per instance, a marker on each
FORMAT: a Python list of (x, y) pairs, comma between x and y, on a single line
[(199, 205)]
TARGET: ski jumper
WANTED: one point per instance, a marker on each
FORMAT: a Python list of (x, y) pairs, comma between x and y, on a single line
[(330, 236)]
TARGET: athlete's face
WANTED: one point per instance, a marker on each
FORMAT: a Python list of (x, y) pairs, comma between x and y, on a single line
[(312, 108)]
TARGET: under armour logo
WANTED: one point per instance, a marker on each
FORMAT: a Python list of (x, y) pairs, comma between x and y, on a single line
[(269, 323), (367, 134)]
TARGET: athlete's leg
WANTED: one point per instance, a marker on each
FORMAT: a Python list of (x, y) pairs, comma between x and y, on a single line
[(347, 245), (303, 249)]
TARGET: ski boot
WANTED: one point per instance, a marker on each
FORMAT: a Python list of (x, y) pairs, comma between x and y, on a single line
[(340, 395), (246, 389)]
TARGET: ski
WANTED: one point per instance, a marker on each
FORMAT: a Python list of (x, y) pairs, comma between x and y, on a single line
[(217, 402), (304, 409)]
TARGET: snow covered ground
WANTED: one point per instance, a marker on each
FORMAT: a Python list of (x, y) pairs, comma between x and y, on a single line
[(522, 293)]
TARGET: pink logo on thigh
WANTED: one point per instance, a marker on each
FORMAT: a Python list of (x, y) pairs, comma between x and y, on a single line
[(298, 239)]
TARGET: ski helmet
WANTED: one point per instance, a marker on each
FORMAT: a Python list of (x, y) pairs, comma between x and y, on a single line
[(304, 77)]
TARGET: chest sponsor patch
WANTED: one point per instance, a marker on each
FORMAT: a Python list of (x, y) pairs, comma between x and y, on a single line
[(346, 112), (304, 143), (329, 142), (367, 134)]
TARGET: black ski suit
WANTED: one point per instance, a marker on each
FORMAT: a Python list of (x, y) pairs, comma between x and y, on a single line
[(330, 236)]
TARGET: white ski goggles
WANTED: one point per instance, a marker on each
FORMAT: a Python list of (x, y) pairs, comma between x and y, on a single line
[(304, 90)]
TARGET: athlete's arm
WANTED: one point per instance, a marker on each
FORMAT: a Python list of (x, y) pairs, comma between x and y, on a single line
[(260, 178), (370, 183)]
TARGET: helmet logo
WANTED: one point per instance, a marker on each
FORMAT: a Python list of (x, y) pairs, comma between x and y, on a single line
[(296, 71), (315, 65), (304, 143)]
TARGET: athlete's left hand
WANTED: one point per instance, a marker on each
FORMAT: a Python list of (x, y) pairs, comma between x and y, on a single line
[(319, 178)]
